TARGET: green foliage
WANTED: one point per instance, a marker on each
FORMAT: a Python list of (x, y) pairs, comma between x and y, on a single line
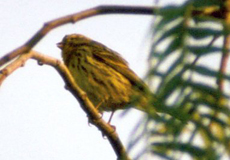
[(194, 118)]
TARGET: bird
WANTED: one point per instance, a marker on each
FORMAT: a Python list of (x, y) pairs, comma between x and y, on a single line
[(104, 75)]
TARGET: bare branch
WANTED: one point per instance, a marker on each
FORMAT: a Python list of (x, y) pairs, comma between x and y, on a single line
[(226, 46), (224, 61), (86, 105), (19, 62), (100, 10), (72, 19)]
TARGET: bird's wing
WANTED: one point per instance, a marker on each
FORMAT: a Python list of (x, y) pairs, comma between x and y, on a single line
[(115, 61)]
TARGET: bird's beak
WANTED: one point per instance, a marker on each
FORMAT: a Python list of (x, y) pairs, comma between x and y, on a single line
[(60, 45)]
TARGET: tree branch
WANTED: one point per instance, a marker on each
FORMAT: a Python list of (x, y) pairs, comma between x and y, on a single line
[(72, 19), (19, 62), (85, 104), (80, 95)]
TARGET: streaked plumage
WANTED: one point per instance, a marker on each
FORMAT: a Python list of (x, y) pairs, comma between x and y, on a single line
[(103, 74)]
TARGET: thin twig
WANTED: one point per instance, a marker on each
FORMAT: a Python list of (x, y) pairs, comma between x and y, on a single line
[(9, 69), (223, 63), (85, 103), (72, 19)]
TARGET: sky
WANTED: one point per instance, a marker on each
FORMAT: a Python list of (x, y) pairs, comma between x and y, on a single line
[(39, 119)]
